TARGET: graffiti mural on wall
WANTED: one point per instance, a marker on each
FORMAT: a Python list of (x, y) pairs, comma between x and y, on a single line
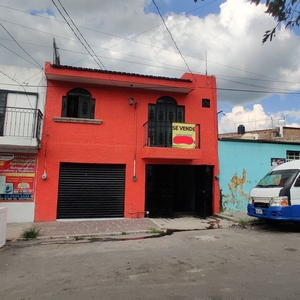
[(236, 199)]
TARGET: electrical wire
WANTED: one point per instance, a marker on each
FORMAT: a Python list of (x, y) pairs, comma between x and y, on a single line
[(17, 54), (102, 65), (19, 85), (153, 1), (20, 45), (283, 92), (223, 77), (169, 68), (99, 65), (162, 66), (151, 45), (98, 61)]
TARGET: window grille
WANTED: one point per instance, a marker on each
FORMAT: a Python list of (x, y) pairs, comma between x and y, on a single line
[(292, 155), (78, 104)]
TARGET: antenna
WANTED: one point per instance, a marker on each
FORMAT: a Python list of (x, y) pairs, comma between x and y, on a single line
[(205, 62), (56, 59)]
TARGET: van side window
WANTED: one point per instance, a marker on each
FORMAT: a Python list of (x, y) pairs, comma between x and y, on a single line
[(297, 183)]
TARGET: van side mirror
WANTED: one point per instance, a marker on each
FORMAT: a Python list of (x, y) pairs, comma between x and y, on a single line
[(297, 183)]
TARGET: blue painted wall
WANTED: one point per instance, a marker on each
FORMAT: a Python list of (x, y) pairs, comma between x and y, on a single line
[(242, 164)]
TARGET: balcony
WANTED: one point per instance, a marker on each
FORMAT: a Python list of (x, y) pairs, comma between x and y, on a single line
[(20, 127), (159, 141)]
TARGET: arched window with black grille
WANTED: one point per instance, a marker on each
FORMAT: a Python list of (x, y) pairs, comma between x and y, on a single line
[(78, 103), (160, 118)]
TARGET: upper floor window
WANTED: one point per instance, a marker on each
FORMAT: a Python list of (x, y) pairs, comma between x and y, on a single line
[(292, 155), (160, 118), (206, 103), (166, 110), (78, 103)]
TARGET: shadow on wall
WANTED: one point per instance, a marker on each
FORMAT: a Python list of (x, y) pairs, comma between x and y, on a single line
[(236, 199)]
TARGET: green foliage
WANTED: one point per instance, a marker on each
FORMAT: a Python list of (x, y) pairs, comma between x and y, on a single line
[(155, 230), (30, 233), (285, 12), (282, 12), (244, 222)]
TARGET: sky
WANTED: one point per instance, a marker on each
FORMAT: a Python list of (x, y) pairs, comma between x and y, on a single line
[(258, 85)]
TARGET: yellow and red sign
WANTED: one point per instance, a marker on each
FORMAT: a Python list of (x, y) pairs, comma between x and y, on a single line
[(183, 135), (17, 173)]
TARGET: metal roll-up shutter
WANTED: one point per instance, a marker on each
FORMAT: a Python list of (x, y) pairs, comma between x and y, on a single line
[(91, 191)]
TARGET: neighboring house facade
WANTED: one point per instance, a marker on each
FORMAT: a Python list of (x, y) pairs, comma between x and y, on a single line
[(22, 100), (127, 145), (245, 157)]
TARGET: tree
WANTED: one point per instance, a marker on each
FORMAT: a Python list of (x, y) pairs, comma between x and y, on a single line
[(283, 12)]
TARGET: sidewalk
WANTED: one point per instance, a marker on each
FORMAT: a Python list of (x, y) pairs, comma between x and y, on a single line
[(113, 227), (234, 216)]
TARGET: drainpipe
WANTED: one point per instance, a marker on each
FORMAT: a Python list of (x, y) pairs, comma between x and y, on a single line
[(134, 178)]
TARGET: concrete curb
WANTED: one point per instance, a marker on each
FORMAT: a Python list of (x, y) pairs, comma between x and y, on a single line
[(81, 239), (235, 219), (104, 235)]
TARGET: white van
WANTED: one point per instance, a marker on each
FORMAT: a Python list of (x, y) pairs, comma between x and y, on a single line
[(277, 195)]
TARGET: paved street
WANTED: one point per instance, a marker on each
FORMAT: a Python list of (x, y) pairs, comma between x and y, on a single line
[(259, 262)]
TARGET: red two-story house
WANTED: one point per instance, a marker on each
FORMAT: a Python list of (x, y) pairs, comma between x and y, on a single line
[(127, 145)]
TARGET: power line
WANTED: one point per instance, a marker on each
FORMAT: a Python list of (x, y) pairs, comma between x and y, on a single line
[(102, 65), (170, 67), (219, 77), (17, 54), (274, 80), (19, 85), (76, 35), (151, 45), (20, 45), (153, 1), (247, 84), (154, 88)]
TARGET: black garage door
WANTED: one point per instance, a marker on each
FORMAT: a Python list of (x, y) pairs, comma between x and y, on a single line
[(91, 191)]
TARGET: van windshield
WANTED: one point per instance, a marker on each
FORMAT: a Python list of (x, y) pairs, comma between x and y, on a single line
[(278, 178)]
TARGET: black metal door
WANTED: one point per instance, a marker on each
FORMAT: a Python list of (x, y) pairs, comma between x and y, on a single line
[(91, 191), (159, 191), (203, 191)]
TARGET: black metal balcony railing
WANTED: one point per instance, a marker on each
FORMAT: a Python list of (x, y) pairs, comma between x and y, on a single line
[(21, 122), (159, 134)]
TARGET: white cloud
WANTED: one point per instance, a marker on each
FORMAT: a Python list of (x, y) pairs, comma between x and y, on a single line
[(295, 114), (127, 37), (293, 125), (255, 119)]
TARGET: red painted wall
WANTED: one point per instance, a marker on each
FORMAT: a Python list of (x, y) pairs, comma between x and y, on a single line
[(113, 141)]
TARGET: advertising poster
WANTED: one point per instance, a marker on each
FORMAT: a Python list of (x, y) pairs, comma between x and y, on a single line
[(275, 161), (17, 173), (183, 135)]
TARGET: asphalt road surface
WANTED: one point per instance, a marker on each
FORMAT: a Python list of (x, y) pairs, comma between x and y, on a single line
[(259, 262)]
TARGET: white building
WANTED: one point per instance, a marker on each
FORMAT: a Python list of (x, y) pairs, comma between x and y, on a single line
[(22, 102)]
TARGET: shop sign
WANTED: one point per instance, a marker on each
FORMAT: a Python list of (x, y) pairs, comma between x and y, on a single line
[(17, 172)]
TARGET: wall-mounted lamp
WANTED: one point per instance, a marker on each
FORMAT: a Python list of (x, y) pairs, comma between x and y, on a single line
[(131, 102), (131, 99), (44, 176)]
